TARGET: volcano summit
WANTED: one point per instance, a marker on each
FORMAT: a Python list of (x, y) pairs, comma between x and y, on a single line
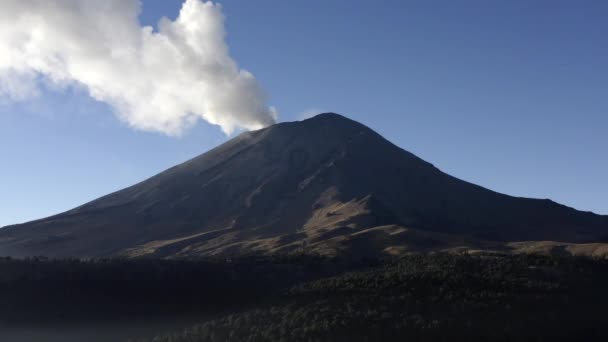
[(326, 185)]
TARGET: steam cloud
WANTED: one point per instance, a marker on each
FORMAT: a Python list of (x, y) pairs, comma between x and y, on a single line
[(155, 80)]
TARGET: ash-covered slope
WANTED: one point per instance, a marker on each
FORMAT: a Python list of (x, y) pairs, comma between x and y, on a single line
[(326, 184)]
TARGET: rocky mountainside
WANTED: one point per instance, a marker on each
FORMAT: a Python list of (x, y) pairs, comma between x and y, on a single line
[(324, 185)]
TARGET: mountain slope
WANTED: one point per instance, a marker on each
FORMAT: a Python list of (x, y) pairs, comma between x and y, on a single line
[(326, 184)]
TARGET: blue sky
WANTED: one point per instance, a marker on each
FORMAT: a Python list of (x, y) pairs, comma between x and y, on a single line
[(510, 95)]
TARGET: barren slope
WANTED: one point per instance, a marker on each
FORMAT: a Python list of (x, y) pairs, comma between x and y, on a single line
[(326, 184)]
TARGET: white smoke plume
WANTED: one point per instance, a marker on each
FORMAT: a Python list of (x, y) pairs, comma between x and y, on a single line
[(160, 80)]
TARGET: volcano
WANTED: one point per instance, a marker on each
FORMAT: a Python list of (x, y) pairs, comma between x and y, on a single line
[(326, 185)]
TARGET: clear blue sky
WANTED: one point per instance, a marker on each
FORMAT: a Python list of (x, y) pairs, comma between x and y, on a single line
[(511, 95)]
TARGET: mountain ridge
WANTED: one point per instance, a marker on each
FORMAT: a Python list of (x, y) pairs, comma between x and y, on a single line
[(319, 184)]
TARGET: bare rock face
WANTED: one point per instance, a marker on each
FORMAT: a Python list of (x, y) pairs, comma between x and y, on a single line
[(324, 185)]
